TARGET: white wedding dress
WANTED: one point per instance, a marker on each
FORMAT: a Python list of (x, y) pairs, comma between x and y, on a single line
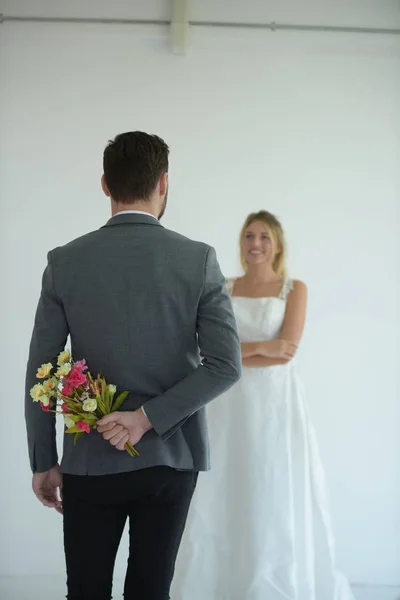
[(259, 525)]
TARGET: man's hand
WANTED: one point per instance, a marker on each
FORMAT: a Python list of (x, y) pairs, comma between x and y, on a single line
[(121, 427), (47, 487)]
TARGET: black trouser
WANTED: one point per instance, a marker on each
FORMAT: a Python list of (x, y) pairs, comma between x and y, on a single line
[(96, 508)]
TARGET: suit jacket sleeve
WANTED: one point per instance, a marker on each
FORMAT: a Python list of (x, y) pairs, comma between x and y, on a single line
[(49, 337), (221, 366)]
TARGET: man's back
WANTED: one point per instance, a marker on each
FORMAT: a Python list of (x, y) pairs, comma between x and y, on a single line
[(131, 293), (141, 304)]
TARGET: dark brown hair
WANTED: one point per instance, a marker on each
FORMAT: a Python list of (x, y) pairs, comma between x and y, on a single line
[(133, 163)]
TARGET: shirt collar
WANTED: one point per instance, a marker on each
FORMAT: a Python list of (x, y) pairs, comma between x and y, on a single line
[(134, 212)]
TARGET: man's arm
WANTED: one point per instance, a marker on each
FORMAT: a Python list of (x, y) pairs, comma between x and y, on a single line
[(220, 348), (49, 337)]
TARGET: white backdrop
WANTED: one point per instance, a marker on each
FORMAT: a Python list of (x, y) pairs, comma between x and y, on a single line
[(305, 125)]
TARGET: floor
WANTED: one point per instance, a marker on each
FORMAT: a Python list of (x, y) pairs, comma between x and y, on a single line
[(52, 588), (377, 593)]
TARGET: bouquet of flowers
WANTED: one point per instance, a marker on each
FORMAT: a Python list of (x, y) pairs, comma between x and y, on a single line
[(72, 391)]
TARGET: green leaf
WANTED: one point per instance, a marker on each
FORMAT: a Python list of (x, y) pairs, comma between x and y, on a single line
[(77, 436), (89, 418), (110, 400), (101, 406), (105, 396), (75, 418), (103, 389), (118, 402), (72, 429)]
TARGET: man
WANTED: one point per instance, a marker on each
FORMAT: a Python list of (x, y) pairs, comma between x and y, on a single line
[(139, 302)]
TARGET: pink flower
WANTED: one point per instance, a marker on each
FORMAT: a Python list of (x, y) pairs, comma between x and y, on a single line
[(81, 365), (67, 390), (83, 426), (76, 378), (44, 407), (64, 407)]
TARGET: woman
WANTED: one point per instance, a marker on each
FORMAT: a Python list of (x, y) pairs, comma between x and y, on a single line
[(259, 526)]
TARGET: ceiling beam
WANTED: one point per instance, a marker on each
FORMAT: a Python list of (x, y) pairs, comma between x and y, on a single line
[(215, 24), (180, 26)]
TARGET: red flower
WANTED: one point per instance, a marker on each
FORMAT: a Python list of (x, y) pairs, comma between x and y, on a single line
[(76, 378), (44, 407), (64, 407), (67, 390), (83, 426)]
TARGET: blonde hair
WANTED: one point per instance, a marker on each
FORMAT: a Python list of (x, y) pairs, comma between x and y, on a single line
[(274, 228)]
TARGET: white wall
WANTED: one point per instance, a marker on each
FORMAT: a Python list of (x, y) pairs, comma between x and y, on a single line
[(305, 125)]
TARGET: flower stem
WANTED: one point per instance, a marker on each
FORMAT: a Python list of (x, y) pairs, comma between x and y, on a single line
[(131, 450)]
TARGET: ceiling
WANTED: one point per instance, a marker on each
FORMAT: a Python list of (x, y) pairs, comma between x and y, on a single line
[(356, 13)]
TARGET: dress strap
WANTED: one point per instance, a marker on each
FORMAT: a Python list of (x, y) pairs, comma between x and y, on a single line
[(286, 288)]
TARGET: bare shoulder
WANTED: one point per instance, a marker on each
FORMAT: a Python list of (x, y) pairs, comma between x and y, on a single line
[(299, 286), (298, 293), (295, 314)]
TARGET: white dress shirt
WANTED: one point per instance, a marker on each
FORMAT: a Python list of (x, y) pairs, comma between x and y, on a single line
[(134, 212)]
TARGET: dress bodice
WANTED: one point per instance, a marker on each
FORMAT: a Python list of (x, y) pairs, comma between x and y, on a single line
[(259, 319)]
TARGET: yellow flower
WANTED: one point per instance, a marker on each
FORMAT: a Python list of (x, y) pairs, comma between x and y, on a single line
[(44, 371), (36, 392), (63, 370), (50, 384), (112, 389), (89, 405), (63, 357), (68, 421)]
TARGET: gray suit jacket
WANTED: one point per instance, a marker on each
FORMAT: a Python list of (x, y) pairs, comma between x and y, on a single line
[(138, 301)]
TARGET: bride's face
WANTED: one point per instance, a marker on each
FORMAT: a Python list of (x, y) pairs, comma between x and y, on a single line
[(258, 246)]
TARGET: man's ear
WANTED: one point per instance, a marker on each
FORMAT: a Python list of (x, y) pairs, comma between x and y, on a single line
[(105, 187), (163, 184)]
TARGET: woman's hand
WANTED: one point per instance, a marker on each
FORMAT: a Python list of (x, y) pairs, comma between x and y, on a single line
[(278, 349)]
